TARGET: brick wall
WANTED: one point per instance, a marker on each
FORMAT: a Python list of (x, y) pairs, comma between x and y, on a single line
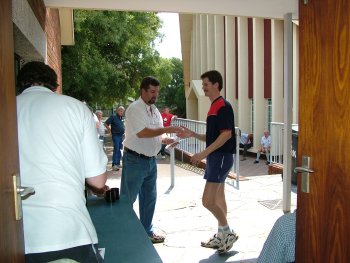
[(53, 36), (50, 22)]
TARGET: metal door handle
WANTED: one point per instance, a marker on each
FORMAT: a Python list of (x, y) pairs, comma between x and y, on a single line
[(20, 193), (24, 191), (303, 170)]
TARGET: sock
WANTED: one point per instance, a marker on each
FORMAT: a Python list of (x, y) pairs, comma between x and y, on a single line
[(226, 229), (220, 231), (258, 156)]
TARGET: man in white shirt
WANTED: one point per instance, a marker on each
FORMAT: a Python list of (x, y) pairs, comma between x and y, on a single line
[(265, 147), (59, 153), (143, 139)]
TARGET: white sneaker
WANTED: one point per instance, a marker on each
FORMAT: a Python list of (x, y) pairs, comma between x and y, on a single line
[(213, 242), (115, 168), (227, 243)]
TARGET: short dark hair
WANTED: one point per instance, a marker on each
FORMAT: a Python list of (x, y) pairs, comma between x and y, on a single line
[(213, 76), (36, 72), (147, 81)]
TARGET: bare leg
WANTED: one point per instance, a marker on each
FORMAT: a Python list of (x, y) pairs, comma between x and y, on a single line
[(214, 200)]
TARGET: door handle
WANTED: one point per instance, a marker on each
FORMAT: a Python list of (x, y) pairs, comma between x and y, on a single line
[(20, 193), (302, 170), (305, 171), (24, 191)]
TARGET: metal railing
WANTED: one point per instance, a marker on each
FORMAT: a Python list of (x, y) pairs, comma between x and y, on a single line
[(192, 145), (277, 130)]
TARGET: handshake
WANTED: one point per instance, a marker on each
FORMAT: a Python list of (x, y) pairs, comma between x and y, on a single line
[(181, 132)]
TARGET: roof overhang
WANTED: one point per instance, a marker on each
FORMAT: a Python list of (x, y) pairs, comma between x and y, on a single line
[(248, 8), (67, 26)]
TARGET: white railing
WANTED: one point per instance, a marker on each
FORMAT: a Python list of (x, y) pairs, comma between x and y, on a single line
[(277, 129), (192, 145)]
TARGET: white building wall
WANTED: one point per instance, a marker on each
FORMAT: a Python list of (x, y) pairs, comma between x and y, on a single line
[(277, 70), (204, 43), (231, 65), (260, 103), (219, 47), (243, 101), (295, 74), (211, 42)]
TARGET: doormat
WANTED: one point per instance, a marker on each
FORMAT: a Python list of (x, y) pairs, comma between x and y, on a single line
[(189, 167), (272, 204)]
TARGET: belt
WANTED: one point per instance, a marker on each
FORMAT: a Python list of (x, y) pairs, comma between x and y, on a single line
[(137, 154)]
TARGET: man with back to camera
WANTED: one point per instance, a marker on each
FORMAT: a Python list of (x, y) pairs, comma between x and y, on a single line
[(220, 146), (144, 134), (59, 152)]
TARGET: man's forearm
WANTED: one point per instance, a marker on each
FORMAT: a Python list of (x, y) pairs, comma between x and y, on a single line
[(198, 136)]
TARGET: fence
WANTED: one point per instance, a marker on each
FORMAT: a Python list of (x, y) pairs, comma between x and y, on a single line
[(192, 145), (277, 133)]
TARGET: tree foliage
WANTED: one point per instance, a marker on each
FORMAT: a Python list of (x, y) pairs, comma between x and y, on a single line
[(172, 92), (113, 51)]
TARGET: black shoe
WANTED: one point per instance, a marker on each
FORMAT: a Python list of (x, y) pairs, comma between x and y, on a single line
[(256, 161), (267, 163)]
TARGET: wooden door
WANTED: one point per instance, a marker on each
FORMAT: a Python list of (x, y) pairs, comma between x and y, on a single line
[(11, 231), (323, 215)]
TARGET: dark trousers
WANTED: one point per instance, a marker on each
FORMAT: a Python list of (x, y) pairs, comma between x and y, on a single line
[(117, 150), (83, 254), (245, 148)]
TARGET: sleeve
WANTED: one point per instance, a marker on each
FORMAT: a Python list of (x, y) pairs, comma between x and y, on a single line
[(95, 159), (134, 119), (226, 119), (274, 248), (108, 121)]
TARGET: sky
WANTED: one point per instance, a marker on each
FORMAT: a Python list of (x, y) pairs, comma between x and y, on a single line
[(171, 44)]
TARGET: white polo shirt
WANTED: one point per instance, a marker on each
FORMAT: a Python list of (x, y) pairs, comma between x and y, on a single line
[(58, 150), (138, 116)]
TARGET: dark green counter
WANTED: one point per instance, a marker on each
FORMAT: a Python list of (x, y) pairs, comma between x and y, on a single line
[(120, 232)]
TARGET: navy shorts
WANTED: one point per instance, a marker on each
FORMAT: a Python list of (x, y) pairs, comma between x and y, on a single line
[(218, 167)]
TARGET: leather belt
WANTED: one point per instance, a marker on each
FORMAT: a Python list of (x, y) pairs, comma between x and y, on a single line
[(137, 154)]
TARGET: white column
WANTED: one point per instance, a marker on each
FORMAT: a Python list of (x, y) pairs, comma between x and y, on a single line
[(277, 70), (219, 45), (288, 94), (260, 103), (197, 57), (211, 43), (204, 42), (243, 101), (230, 64), (295, 73)]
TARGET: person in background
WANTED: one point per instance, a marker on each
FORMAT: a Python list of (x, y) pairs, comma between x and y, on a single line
[(245, 143), (279, 246), (144, 134), (220, 146), (265, 147), (115, 125), (59, 153), (101, 129), (167, 119)]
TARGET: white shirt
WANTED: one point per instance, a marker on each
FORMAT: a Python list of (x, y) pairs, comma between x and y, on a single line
[(58, 149), (137, 117), (266, 142)]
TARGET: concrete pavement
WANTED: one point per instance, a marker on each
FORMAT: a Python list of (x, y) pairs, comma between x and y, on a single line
[(252, 211)]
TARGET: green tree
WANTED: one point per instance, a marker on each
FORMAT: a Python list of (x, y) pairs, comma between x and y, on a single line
[(113, 51), (172, 94)]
